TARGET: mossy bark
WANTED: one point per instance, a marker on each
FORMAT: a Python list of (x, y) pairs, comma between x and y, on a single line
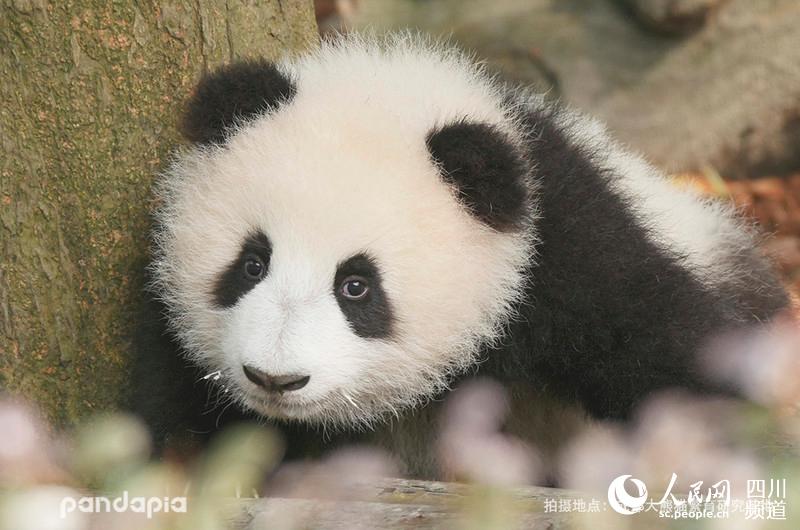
[(88, 103)]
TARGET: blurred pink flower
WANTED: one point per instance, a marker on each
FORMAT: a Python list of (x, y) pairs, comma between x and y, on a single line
[(471, 445), (335, 477), (764, 362), (673, 433), (26, 448)]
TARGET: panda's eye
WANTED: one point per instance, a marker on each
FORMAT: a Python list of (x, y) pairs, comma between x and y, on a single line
[(354, 288), (253, 268)]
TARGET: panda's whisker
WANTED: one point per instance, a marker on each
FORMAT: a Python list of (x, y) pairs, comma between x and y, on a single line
[(350, 399), (221, 412)]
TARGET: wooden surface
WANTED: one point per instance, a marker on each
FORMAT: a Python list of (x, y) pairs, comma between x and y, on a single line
[(400, 503)]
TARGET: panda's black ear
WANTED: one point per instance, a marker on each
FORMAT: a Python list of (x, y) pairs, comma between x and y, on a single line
[(486, 169), (232, 93)]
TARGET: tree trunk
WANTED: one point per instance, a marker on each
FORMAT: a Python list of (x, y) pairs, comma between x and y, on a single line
[(89, 98)]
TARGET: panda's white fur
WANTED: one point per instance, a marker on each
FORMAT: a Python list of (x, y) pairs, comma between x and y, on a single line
[(704, 232), (342, 167), (324, 182)]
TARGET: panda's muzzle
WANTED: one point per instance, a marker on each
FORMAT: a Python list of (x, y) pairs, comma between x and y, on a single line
[(275, 383)]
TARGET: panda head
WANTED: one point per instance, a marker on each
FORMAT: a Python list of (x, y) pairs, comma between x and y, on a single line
[(345, 230)]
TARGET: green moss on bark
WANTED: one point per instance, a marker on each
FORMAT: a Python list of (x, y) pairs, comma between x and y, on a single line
[(88, 102)]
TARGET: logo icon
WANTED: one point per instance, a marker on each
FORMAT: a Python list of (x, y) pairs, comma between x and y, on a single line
[(623, 502)]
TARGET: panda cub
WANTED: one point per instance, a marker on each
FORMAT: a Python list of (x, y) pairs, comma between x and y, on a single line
[(352, 233)]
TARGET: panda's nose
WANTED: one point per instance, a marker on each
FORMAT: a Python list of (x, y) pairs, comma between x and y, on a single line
[(275, 383)]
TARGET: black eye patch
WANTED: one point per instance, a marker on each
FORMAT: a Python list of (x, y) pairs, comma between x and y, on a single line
[(369, 316), (238, 279)]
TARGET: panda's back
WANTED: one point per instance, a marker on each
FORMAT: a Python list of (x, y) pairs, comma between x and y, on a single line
[(632, 276)]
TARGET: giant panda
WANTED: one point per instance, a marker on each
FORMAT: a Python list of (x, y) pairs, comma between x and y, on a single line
[(352, 233)]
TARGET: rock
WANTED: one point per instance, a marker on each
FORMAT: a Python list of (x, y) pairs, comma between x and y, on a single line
[(672, 16), (726, 96)]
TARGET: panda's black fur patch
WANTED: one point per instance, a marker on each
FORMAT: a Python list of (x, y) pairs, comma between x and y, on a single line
[(235, 92), (485, 168), (609, 317), (371, 317), (233, 283)]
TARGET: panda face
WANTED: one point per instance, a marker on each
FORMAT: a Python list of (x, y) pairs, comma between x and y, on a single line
[(326, 259)]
